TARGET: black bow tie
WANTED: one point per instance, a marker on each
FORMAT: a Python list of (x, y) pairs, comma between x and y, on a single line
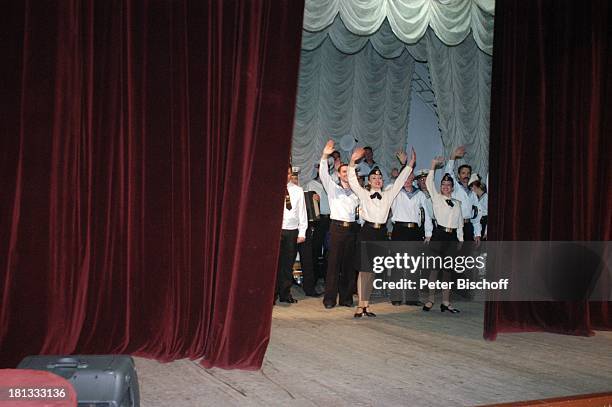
[(450, 203), (376, 195)]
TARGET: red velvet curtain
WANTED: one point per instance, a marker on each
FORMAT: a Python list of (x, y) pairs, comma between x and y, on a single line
[(143, 160), (551, 144)]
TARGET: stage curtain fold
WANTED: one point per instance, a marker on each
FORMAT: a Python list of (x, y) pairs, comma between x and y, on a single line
[(142, 143), (452, 21), (550, 142), (364, 95), (461, 81)]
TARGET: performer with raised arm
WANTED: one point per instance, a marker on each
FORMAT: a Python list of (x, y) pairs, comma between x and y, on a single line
[(447, 211), (375, 204), (343, 206), (469, 202)]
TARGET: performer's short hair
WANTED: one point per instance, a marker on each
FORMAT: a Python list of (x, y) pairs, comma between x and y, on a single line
[(464, 166)]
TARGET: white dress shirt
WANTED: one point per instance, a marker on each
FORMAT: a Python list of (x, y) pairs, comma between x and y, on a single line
[(467, 197), (447, 216), (377, 210), (483, 203), (342, 202), (406, 207), (295, 218), (429, 205), (315, 186)]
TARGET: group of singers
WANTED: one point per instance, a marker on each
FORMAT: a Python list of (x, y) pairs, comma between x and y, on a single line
[(351, 213)]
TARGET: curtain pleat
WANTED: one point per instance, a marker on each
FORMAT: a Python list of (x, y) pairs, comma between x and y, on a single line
[(133, 179), (452, 21), (461, 81), (550, 136)]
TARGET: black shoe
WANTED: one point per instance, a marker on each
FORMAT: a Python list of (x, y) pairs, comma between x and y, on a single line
[(449, 308), (289, 300), (396, 302), (415, 303), (426, 308), (329, 306), (368, 313), (357, 313)]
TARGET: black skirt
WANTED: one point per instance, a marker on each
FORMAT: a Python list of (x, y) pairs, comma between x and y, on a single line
[(448, 245), (368, 233)]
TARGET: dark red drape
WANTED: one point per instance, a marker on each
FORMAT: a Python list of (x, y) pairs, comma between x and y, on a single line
[(143, 146), (551, 143)]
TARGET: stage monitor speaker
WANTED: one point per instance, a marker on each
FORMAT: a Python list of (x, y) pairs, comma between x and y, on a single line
[(99, 380)]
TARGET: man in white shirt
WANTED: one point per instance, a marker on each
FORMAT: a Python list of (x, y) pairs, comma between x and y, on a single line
[(375, 204), (469, 201), (420, 177), (295, 223), (480, 190), (407, 226), (343, 206)]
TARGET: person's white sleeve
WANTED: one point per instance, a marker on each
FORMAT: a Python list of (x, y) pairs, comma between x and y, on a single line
[(354, 184), (428, 222), (431, 187), (326, 180), (302, 216), (400, 181), (450, 169), (460, 227)]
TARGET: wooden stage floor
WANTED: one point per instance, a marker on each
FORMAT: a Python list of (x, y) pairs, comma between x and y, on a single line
[(403, 357)]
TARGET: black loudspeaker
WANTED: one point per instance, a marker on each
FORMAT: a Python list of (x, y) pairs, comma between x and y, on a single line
[(99, 380)]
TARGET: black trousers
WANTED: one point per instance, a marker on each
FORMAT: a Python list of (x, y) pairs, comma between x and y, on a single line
[(468, 232), (286, 258), (340, 276), (483, 223), (318, 247), (307, 261), (404, 234)]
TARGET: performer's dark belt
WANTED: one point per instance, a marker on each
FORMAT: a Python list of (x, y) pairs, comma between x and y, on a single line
[(406, 224), (375, 225), (445, 229), (342, 223), (324, 216)]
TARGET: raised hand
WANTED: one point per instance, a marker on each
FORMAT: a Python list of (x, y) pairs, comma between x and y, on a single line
[(358, 153), (329, 147), (459, 152), (412, 162), (402, 156), (437, 162)]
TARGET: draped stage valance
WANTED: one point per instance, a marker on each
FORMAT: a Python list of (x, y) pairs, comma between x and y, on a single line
[(359, 83), (451, 20)]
